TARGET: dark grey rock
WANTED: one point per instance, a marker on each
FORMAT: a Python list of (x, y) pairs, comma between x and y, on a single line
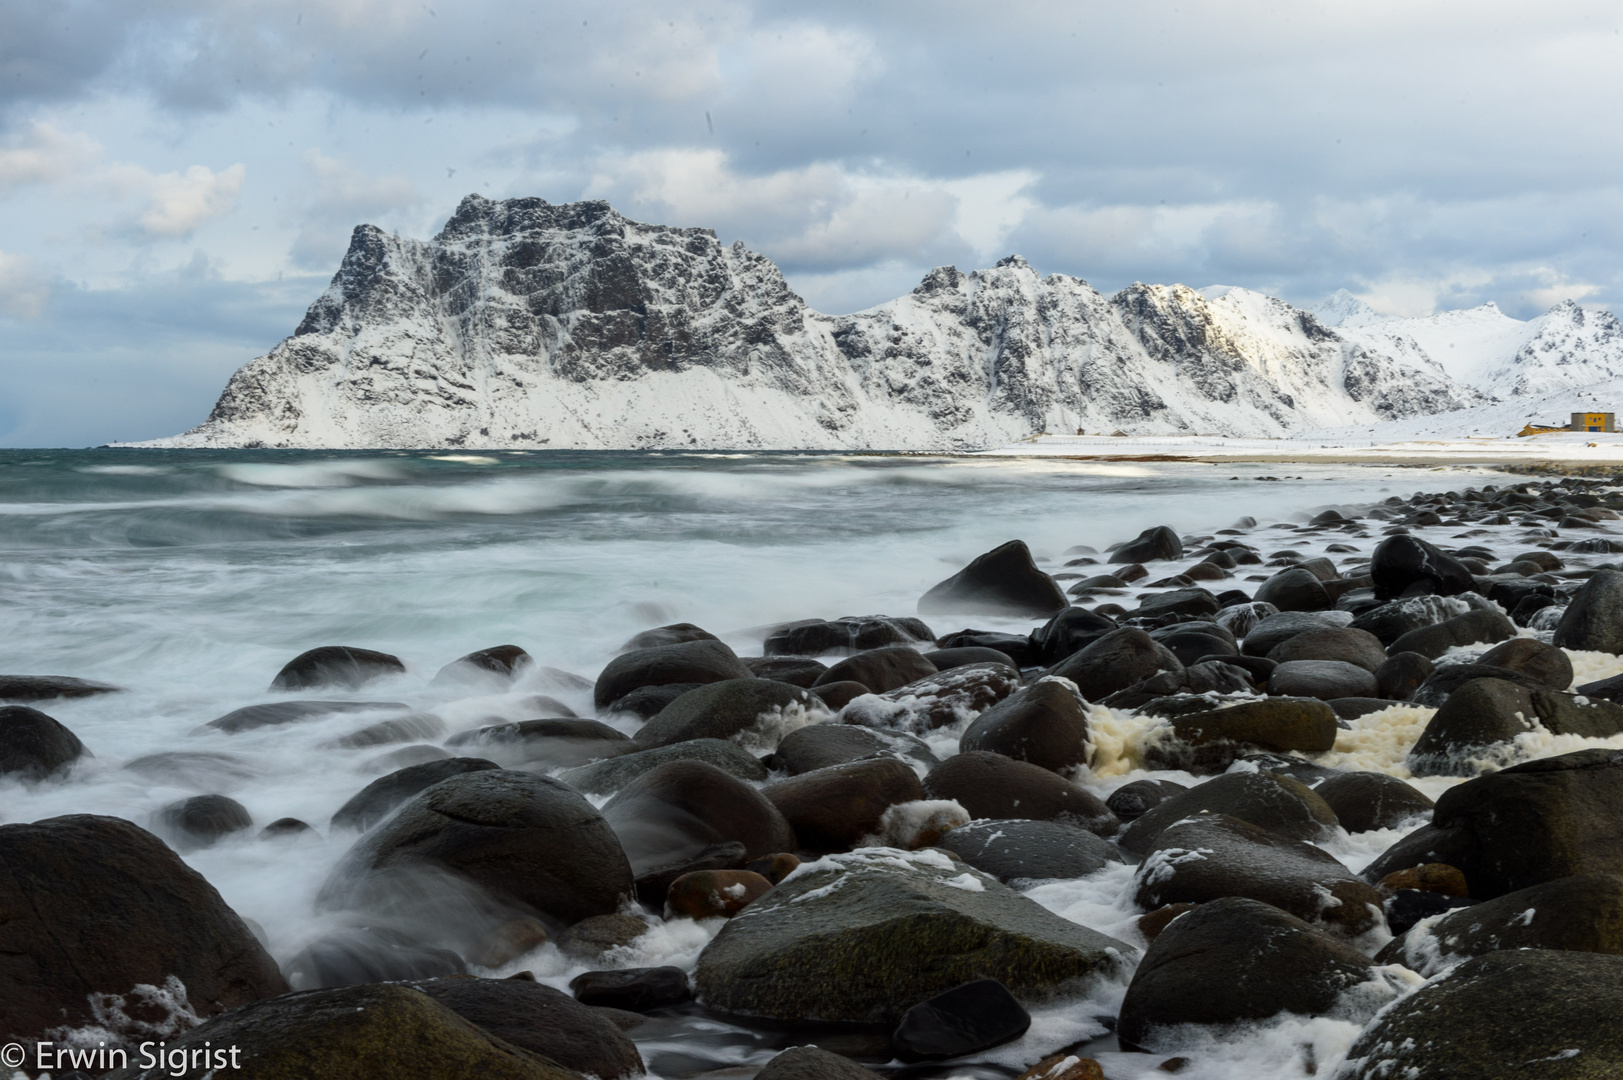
[(1134, 798), (34, 746), (834, 808), (339, 666), (996, 787), (367, 954), (1270, 801), (676, 810), (546, 744), (1014, 850), (1294, 590), (697, 662), (1116, 661), (1365, 800), (881, 669), (201, 821), (1322, 679), (818, 746), (378, 799), (1045, 724), (1004, 581), (49, 687), (1406, 565), (610, 775), (964, 1020), (738, 709), (632, 989)]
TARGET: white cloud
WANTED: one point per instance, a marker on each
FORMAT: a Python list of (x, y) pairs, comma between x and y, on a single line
[(40, 154), (23, 289), (177, 203)]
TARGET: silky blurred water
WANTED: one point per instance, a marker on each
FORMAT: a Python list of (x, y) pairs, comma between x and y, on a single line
[(189, 577)]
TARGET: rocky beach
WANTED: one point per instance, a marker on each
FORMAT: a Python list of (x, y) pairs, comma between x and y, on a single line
[(804, 766)]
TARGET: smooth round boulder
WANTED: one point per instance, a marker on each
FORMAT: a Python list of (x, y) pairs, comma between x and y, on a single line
[(1594, 618), (675, 811), (1322, 679), (935, 701), (95, 906), (880, 670), (750, 711), (1020, 851), (647, 701), (1347, 644), (1004, 581), (358, 955), (947, 659), (553, 743), (1158, 543), (340, 667), (592, 937), (850, 633), (1528, 1013), (1550, 666), (993, 786), (1405, 565), (1236, 858), (34, 746), (1480, 625), (837, 695), (610, 775), (1268, 800), (1279, 628), (1394, 618), (1194, 602), (672, 634), (698, 662), (714, 894), (1210, 740), (817, 746), (378, 799), (1045, 724), (49, 687), (201, 821), (495, 665), (1135, 798), (1116, 661), (800, 671), (542, 1020), (632, 989), (967, 1019), (1363, 801), (813, 1063), (1294, 589), (834, 808), (1069, 630), (1461, 735), (524, 840), (1235, 960), (381, 1031), (1402, 675)]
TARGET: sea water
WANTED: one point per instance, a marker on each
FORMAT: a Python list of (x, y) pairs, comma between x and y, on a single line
[(188, 578)]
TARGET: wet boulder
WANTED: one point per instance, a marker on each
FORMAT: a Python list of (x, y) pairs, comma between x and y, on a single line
[(592, 937), (647, 701), (545, 744), (1045, 724), (1004, 581), (993, 786), (1137, 797), (1445, 679), (1479, 717), (494, 666), (339, 667), (819, 746), (1236, 960), (201, 821), (851, 633), (947, 659), (837, 695), (95, 905), (1526, 1013), (530, 843), (1159, 543), (29, 688), (881, 670), (910, 933), (1020, 648), (813, 1063), (1192, 602), (1322, 679), (934, 701), (543, 1021), (672, 634), (1210, 740), (1115, 662), (1209, 856), (277, 713), (800, 671), (378, 799), (1070, 630), (1594, 618), (1294, 589), (834, 808), (964, 1020), (1275, 630), (1405, 565), (1016, 851), (752, 712), (1572, 714), (1534, 822), (697, 662), (714, 894), (1267, 800), (677, 810), (1346, 644), (1402, 675), (1394, 618), (1550, 666), (34, 746), (1363, 801), (1576, 914), (380, 1031), (610, 775), (1480, 625), (1240, 619), (632, 989), (358, 955)]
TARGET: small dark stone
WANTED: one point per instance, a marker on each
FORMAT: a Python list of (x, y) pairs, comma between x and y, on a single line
[(696, 662), (1045, 724), (1294, 590), (1402, 674), (632, 989), (1115, 662), (1480, 625), (1364, 800), (975, 1016), (201, 821), (49, 687), (674, 634), (499, 662), (1069, 630), (730, 709), (1019, 648), (34, 746), (1406, 907), (1132, 800), (1270, 801), (285, 827), (1159, 543), (880, 669), (1408, 566), (340, 666), (1014, 850), (837, 695), (800, 671), (993, 786)]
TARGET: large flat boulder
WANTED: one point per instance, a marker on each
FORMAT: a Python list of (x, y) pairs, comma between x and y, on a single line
[(864, 937)]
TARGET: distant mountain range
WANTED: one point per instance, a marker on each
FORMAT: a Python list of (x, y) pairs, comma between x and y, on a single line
[(525, 324)]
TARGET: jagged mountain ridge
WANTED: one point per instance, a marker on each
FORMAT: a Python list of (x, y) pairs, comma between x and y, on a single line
[(1566, 348), (528, 324)]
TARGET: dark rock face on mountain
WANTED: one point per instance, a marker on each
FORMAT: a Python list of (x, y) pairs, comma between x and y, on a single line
[(527, 324)]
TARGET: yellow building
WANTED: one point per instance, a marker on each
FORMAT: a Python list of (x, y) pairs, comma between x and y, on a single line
[(1593, 421)]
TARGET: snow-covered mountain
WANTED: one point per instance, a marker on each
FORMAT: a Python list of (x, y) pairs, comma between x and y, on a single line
[(526, 324), (1565, 348)]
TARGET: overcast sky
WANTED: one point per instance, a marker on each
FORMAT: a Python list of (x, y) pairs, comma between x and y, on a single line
[(178, 179)]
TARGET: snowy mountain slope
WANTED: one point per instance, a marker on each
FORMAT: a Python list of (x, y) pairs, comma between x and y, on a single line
[(527, 324), (1499, 419), (1568, 346)]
